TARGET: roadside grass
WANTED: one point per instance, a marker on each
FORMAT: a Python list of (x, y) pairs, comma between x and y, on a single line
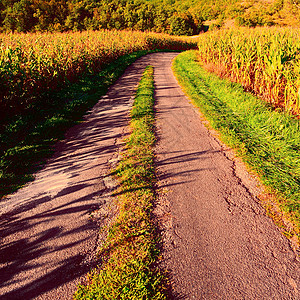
[(268, 140), (27, 141), (130, 251)]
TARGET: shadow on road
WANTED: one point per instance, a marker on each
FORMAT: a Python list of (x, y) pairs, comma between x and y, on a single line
[(48, 236)]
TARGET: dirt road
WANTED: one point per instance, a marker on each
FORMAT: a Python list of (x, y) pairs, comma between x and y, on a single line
[(49, 233), (217, 242)]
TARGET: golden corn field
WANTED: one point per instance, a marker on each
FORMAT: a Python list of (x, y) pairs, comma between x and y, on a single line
[(265, 61), (37, 62)]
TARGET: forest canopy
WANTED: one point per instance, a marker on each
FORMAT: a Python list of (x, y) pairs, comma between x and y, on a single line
[(178, 17)]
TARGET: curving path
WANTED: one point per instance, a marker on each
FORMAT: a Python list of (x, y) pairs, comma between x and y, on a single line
[(217, 241), (50, 228)]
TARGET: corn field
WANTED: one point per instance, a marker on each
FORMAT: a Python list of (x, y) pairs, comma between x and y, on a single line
[(34, 63), (265, 61)]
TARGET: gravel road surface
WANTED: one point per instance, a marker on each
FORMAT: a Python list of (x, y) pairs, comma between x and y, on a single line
[(217, 242), (50, 228)]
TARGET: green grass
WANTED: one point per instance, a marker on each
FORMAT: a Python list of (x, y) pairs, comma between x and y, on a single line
[(130, 251), (268, 140), (27, 141)]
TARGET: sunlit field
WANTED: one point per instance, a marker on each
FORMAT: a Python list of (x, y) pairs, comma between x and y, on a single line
[(37, 62), (264, 60)]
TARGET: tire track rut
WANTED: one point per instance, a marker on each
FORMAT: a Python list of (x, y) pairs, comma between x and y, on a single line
[(217, 241), (50, 228)]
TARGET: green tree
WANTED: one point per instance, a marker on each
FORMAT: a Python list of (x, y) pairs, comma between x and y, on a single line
[(181, 25), (19, 17), (145, 17), (51, 14), (80, 14)]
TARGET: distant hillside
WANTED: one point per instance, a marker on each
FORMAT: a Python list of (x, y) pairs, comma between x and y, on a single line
[(269, 12), (180, 17), (247, 13)]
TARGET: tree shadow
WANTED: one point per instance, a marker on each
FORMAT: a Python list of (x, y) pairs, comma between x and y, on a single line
[(46, 228)]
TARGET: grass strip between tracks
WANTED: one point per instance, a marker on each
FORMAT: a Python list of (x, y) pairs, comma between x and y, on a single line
[(130, 250), (268, 140)]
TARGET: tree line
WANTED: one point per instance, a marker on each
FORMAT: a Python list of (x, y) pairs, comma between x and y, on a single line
[(63, 15), (177, 17)]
